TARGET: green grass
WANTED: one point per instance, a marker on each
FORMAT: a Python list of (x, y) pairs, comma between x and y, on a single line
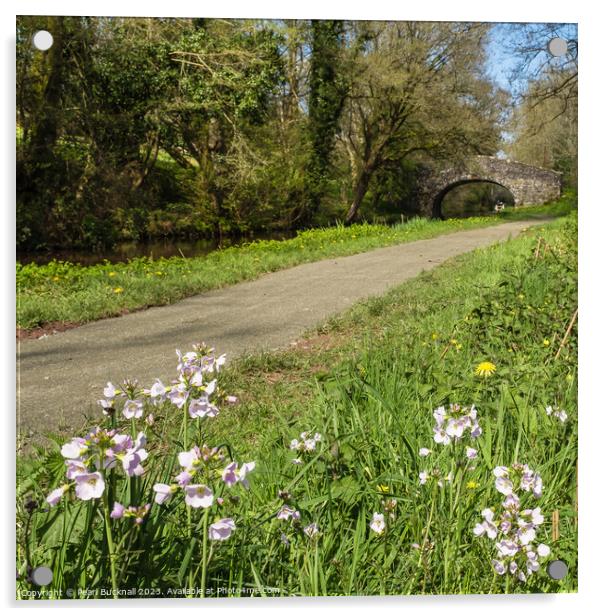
[(61, 292), (367, 380)]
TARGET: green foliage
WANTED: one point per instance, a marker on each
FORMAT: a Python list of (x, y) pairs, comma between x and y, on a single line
[(374, 410), (66, 292)]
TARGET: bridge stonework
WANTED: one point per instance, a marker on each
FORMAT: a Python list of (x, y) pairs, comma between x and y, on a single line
[(529, 185)]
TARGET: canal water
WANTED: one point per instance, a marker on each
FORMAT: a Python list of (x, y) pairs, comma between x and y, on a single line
[(155, 249)]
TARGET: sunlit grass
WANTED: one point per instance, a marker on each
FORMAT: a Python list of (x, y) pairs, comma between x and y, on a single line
[(368, 382), (67, 293)]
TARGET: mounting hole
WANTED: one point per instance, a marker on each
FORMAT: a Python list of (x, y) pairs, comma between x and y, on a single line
[(557, 569), (558, 46), (42, 40), (41, 576)]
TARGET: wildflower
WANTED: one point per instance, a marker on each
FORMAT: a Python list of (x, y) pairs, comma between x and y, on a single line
[(306, 442), (111, 274), (485, 368), (546, 342), (118, 290), (133, 409), (89, 486), (471, 453), (288, 513), (378, 524), (311, 530), (423, 477), (517, 553), (499, 567), (232, 474), (55, 496), (222, 529), (157, 392), (383, 489), (472, 485), (423, 452), (452, 423), (118, 511), (561, 415), (201, 407), (198, 496), (487, 526), (178, 395), (75, 448), (110, 391), (163, 492), (504, 485)]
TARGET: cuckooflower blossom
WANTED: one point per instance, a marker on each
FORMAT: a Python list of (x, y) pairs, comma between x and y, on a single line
[(311, 530), (198, 496), (378, 524), (471, 453), (232, 474), (288, 513), (222, 529), (178, 395), (452, 423), (487, 526), (89, 486), (55, 496), (133, 409), (163, 492), (118, 511), (423, 452)]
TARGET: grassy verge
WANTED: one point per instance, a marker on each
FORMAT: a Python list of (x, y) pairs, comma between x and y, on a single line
[(62, 293), (368, 382)]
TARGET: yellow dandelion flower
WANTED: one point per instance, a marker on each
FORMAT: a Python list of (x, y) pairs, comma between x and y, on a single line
[(485, 368), (472, 485), (117, 290), (546, 342)]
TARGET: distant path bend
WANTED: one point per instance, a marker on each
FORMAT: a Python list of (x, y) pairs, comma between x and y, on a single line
[(61, 377)]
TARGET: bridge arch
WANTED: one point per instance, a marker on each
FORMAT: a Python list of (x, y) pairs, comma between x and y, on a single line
[(528, 185), (437, 207)]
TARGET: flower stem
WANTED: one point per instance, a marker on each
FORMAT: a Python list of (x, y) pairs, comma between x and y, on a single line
[(111, 546), (205, 537)]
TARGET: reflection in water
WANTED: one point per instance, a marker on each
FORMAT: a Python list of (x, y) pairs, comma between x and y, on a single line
[(157, 249), (476, 198)]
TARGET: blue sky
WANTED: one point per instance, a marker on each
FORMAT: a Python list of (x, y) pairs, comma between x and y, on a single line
[(501, 59)]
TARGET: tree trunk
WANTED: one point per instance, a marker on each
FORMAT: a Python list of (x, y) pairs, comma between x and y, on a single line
[(359, 192)]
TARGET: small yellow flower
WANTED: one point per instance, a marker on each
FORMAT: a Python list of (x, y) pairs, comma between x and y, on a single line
[(546, 342), (111, 274), (453, 341), (117, 290), (485, 368), (434, 335), (383, 489), (472, 485), (55, 278)]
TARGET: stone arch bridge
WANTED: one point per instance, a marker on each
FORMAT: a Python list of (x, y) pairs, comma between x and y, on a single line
[(528, 185)]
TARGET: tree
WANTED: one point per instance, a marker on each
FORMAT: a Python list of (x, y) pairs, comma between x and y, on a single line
[(327, 92), (227, 73), (545, 134), (415, 87)]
